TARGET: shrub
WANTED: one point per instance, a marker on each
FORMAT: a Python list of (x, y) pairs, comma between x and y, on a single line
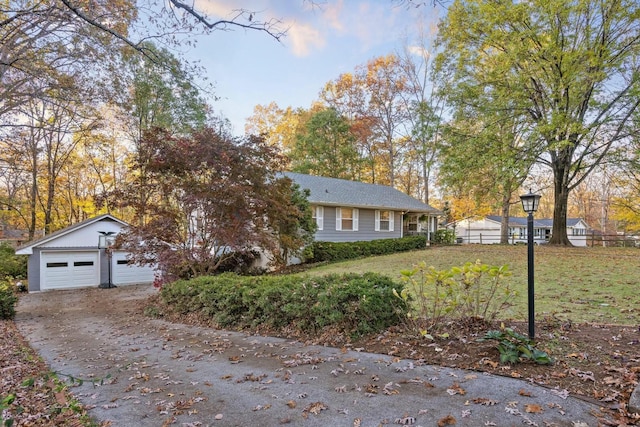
[(358, 304), (8, 301), (352, 304), (444, 236), (340, 251), (474, 290), (12, 265)]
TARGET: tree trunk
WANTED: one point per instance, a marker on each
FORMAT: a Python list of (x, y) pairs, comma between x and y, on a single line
[(504, 223), (48, 212), (560, 201), (33, 194), (426, 173)]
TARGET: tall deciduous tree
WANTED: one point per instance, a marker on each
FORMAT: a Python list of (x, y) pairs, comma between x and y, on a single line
[(163, 95), (217, 197), (49, 131), (373, 97), (42, 42), (486, 156), (279, 126), (327, 147), (571, 67), (426, 107)]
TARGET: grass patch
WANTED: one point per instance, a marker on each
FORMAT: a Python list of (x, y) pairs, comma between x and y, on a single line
[(577, 284)]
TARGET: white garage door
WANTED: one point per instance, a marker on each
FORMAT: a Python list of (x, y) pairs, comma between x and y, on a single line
[(69, 269), (127, 274)]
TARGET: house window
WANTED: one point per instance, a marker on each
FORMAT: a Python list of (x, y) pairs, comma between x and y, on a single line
[(318, 216), (346, 219), (384, 221)]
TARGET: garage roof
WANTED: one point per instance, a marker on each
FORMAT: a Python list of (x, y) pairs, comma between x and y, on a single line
[(27, 249)]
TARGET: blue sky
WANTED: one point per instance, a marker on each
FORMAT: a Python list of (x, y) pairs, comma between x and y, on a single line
[(250, 68)]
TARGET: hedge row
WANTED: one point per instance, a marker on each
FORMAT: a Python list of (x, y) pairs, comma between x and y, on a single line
[(352, 304), (340, 251)]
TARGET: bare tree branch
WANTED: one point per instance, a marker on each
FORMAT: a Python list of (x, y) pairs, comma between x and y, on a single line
[(420, 3), (270, 27)]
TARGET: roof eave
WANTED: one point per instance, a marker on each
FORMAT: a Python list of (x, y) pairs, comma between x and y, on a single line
[(395, 208), (28, 248)]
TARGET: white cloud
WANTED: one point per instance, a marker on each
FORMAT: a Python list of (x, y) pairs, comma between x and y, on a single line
[(419, 51), (217, 8), (303, 38), (229, 9), (333, 14)]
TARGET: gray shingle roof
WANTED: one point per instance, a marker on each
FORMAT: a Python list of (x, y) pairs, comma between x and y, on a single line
[(340, 192)]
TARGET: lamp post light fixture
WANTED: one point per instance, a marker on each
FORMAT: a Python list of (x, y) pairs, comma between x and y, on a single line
[(105, 241), (530, 204)]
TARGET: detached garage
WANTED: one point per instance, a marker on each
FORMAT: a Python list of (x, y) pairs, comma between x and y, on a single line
[(76, 257)]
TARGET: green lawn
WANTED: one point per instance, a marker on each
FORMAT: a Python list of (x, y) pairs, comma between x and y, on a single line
[(581, 284)]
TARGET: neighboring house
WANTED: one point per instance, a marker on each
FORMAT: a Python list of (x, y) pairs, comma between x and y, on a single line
[(487, 230), (13, 236), (71, 258), (347, 211)]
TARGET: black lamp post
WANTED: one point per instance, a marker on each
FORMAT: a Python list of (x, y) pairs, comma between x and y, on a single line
[(105, 241), (530, 204)]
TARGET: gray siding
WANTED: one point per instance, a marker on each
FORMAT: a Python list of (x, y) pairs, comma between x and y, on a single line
[(366, 227), (33, 271)]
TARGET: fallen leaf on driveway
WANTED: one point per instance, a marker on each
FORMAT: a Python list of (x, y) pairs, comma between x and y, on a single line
[(533, 408), (485, 401), (456, 389), (446, 421), (315, 408)]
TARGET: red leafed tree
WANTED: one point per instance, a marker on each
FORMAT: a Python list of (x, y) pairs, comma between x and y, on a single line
[(210, 198)]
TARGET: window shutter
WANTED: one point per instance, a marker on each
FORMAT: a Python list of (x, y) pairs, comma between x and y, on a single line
[(338, 219), (391, 220), (355, 220), (377, 226), (320, 217)]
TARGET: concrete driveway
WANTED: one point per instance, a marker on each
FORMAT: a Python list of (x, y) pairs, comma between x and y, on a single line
[(143, 372)]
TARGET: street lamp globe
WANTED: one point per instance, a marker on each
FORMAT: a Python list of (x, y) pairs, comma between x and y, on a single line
[(530, 202)]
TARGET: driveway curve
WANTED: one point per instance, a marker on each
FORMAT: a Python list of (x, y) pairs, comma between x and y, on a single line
[(138, 371)]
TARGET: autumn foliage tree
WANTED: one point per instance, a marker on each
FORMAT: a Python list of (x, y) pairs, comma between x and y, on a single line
[(570, 68), (327, 147), (212, 199), (372, 98)]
